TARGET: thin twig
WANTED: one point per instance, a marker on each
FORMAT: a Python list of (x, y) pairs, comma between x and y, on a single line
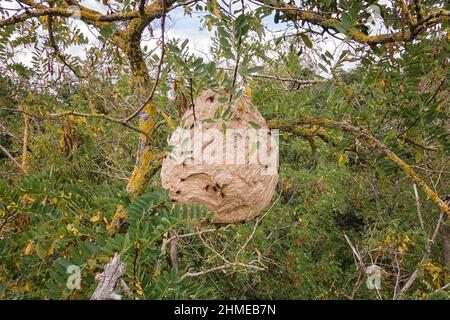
[(192, 99)]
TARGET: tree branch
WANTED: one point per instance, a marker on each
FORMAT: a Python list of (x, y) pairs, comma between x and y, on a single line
[(369, 141), (87, 15), (417, 143), (109, 279), (325, 21)]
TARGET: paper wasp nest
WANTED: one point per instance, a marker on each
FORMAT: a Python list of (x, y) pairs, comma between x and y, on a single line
[(226, 161)]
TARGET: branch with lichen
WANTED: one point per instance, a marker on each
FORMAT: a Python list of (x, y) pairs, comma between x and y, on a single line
[(304, 132), (325, 136), (89, 16), (147, 160)]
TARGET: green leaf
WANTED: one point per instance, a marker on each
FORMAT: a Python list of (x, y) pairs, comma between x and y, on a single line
[(41, 249), (223, 100)]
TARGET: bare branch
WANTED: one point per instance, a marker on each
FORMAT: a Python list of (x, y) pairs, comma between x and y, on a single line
[(369, 141)]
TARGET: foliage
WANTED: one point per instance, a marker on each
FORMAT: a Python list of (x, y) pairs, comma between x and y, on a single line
[(62, 196)]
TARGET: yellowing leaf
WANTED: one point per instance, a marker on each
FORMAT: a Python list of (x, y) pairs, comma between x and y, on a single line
[(29, 248), (248, 91), (119, 216), (139, 290), (168, 120), (91, 264), (95, 218), (71, 228), (142, 90), (41, 251)]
